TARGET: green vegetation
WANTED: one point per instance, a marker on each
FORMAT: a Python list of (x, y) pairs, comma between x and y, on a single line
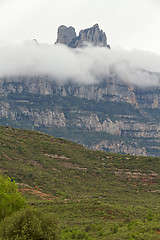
[(10, 199), (29, 224), (93, 194)]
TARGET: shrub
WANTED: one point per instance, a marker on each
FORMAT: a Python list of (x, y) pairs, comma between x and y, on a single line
[(10, 199), (29, 224), (74, 234)]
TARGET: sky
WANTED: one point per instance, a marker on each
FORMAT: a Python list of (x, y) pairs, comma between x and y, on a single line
[(128, 24), (132, 29)]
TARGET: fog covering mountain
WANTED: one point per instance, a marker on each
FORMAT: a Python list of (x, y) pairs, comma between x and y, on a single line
[(82, 90)]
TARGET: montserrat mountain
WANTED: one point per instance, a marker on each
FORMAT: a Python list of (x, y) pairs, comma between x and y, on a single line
[(93, 36), (109, 114)]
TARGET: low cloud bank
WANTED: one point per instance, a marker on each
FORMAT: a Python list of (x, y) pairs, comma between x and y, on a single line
[(82, 65)]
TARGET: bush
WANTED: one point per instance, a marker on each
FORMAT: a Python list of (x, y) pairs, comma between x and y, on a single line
[(74, 234), (10, 199), (29, 224)]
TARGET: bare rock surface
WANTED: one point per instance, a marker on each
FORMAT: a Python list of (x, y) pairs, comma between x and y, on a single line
[(65, 35), (93, 36)]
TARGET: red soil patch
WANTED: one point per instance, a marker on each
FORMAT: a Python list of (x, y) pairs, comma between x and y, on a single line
[(144, 178), (36, 191)]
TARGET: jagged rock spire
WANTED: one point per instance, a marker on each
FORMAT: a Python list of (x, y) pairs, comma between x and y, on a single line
[(92, 35)]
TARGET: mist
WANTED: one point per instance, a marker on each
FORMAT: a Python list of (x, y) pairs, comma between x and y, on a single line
[(88, 65)]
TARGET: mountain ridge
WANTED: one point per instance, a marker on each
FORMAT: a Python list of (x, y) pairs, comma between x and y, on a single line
[(117, 113)]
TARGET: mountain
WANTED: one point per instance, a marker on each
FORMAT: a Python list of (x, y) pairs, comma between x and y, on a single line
[(93, 36), (94, 194), (111, 114)]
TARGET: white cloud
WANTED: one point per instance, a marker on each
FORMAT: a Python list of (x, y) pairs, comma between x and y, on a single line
[(82, 65)]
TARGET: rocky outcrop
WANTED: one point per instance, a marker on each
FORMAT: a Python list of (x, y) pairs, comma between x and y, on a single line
[(65, 35), (93, 36), (93, 123), (38, 117), (109, 90), (125, 127)]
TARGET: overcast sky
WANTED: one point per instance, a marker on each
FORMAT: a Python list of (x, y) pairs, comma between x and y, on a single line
[(129, 24)]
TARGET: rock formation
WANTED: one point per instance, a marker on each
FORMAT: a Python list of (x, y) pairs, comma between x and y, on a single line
[(93, 36), (65, 35)]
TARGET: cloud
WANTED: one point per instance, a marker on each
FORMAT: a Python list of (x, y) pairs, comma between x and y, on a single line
[(83, 65)]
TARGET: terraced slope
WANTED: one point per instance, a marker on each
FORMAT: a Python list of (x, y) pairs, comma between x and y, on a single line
[(101, 195)]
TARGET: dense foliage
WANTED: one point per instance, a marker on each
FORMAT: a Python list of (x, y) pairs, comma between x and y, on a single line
[(10, 199), (29, 224)]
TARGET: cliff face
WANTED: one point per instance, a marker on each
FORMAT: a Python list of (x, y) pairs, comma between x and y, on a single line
[(93, 36), (108, 90), (112, 115)]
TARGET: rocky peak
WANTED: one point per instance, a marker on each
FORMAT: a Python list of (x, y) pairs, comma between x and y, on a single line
[(92, 35), (65, 35)]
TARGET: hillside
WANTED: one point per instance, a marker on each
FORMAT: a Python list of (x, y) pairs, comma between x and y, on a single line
[(102, 195)]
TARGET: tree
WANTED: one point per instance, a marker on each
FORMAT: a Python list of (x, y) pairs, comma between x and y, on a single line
[(29, 224), (10, 199)]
